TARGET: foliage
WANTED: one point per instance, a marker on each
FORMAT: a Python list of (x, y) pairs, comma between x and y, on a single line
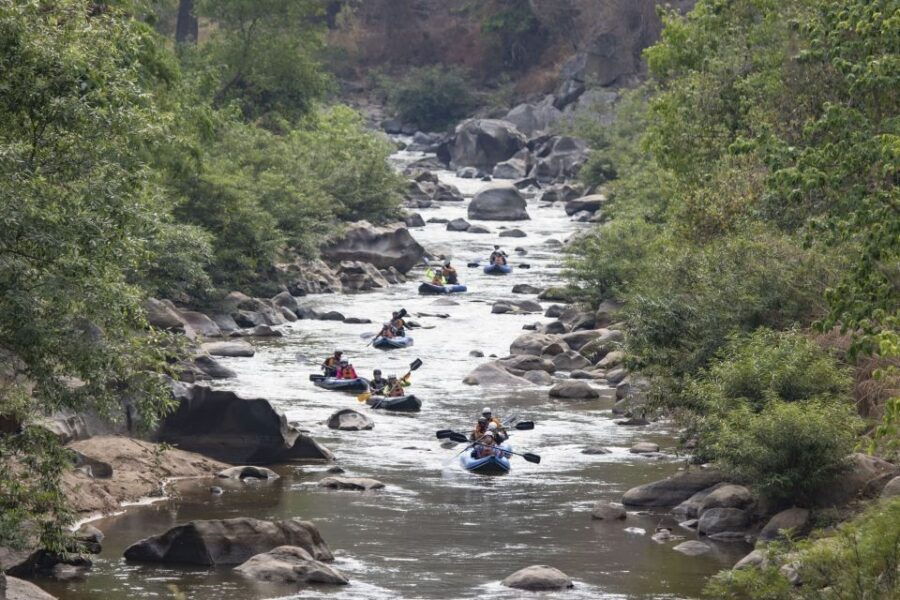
[(514, 31), (859, 561), (430, 97), (264, 52)]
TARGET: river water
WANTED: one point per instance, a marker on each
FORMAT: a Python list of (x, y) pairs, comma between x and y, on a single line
[(436, 531)]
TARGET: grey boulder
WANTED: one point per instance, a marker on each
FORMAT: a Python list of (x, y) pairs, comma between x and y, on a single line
[(538, 578), (502, 202)]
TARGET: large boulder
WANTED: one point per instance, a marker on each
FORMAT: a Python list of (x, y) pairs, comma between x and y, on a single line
[(591, 203), (690, 508), (228, 541), (795, 520), (458, 225), (348, 419), (290, 564), (570, 361), (892, 488), (306, 276), (482, 143), (672, 490), (533, 343), (228, 349), (359, 276), (727, 496), (227, 427), (719, 520), (200, 323), (864, 475), (573, 389), (560, 158), (494, 374), (163, 315), (514, 168), (533, 119), (384, 247), (538, 578), (19, 589), (528, 362), (501, 202)]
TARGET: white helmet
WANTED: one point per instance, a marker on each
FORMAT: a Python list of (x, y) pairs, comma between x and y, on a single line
[(486, 410), (492, 427)]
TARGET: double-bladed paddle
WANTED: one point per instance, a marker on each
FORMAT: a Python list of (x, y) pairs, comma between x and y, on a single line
[(462, 439), (364, 397), (444, 434)]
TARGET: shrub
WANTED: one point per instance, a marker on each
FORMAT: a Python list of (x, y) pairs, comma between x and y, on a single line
[(788, 450), (431, 97)]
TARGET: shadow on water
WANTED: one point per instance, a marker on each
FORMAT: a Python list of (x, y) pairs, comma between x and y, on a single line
[(435, 531)]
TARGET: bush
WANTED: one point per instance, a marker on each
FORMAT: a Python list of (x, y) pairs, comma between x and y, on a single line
[(788, 450), (431, 97), (859, 561)]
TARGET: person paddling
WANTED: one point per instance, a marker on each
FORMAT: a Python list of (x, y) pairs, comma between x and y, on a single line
[(398, 325), (488, 415), (498, 256), (395, 386), (378, 384), (346, 370), (331, 364), (449, 274)]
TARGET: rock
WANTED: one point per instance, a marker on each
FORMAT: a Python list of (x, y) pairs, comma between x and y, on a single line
[(532, 343), (578, 320), (494, 374), (662, 535), (528, 362), (468, 173), (513, 233), (616, 376), (554, 311), (163, 315), (483, 143), (561, 193), (591, 204), (573, 389), (671, 491), (225, 426), (349, 420), (794, 519), (335, 470), (216, 490), (478, 229), (357, 276), (690, 508), (633, 422), (305, 276), (288, 314), (200, 324), (533, 119), (608, 511), (692, 548), (755, 559), (612, 359), (791, 572), (582, 217), (644, 447), (538, 377), (502, 202), (514, 168), (579, 374), (438, 220), (19, 589), (89, 538), (718, 520), (635, 530), (538, 578), (727, 496), (864, 476), (227, 541), (247, 471), (458, 225), (331, 315), (892, 489), (290, 564), (264, 331), (414, 220), (358, 321), (226, 322), (351, 483), (596, 450), (392, 126), (476, 354), (230, 349), (560, 157), (555, 294), (570, 361), (384, 247), (520, 250), (524, 288)]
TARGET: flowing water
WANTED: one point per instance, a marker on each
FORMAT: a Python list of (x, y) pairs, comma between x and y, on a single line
[(436, 531)]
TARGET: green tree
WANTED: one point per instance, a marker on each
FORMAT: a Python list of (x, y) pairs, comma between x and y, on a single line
[(430, 97)]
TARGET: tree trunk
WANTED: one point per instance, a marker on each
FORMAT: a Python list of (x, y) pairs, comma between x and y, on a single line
[(186, 28)]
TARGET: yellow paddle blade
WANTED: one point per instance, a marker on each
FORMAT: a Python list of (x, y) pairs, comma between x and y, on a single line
[(363, 397)]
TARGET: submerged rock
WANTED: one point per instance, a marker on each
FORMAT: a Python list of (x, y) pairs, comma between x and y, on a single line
[(229, 349), (351, 483), (693, 548), (248, 471), (350, 420), (608, 511), (290, 564), (573, 389)]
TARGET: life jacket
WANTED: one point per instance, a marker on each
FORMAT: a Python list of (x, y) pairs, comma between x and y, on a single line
[(450, 275), (396, 390), (347, 372), (399, 326), (377, 385)]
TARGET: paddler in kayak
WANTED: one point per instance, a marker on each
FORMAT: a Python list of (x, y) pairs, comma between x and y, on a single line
[(346, 370), (398, 325), (449, 274), (498, 256), (395, 386), (378, 384), (487, 446), (332, 363)]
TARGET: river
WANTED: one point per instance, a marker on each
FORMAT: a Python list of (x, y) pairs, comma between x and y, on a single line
[(435, 531)]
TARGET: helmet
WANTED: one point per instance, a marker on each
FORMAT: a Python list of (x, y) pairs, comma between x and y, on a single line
[(338, 353), (377, 372), (345, 362), (492, 427), (496, 247), (447, 264), (486, 410), (392, 377)]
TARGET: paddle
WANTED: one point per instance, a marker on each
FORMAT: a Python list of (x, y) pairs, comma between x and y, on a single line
[(532, 458), (316, 377), (521, 426), (364, 397)]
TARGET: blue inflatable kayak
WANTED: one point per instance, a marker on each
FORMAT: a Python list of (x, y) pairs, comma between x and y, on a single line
[(430, 288), (383, 343), (498, 269), (342, 385), (495, 464)]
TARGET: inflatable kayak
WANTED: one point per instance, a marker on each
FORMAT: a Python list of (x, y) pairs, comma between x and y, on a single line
[(342, 385), (429, 288), (498, 269), (495, 464), (401, 403), (383, 343)]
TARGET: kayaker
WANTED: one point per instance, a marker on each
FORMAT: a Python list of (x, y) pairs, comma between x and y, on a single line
[(378, 384), (438, 278), (489, 416), (480, 429), (395, 386), (346, 370), (486, 446), (450, 275), (398, 325), (331, 364), (498, 256)]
